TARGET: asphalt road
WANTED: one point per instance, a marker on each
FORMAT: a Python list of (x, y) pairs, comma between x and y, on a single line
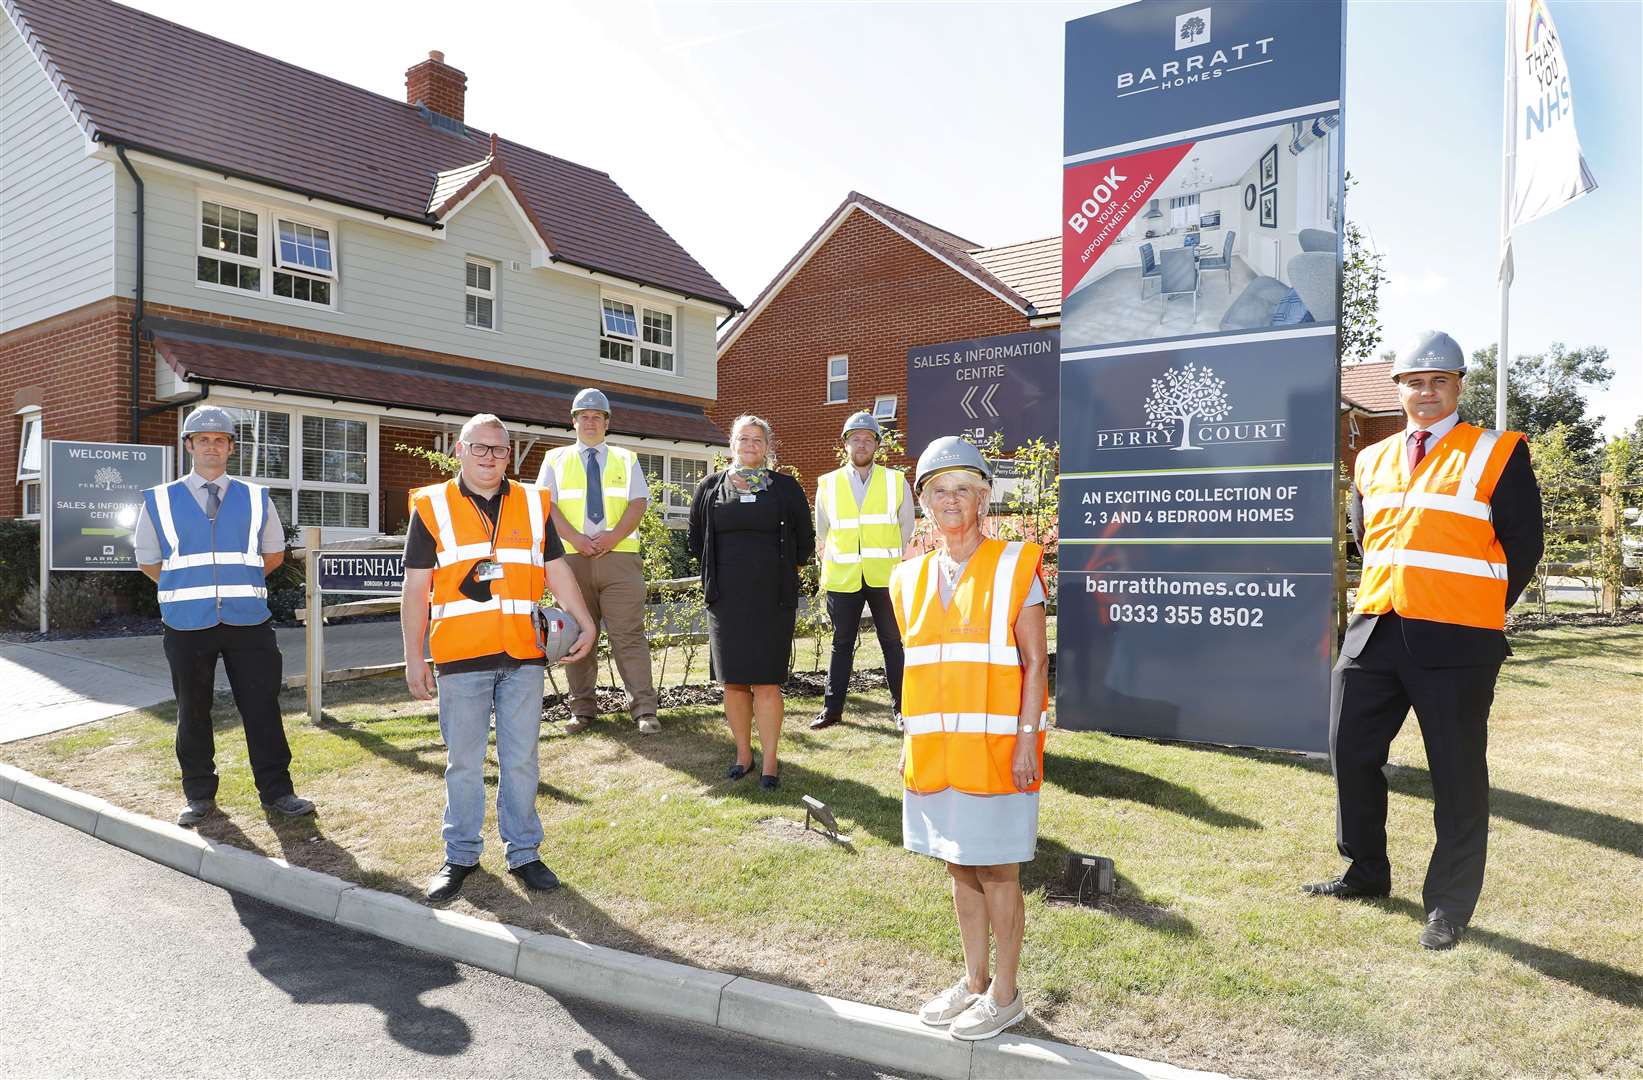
[(111, 965)]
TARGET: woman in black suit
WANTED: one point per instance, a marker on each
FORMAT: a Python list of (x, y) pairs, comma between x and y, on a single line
[(749, 526)]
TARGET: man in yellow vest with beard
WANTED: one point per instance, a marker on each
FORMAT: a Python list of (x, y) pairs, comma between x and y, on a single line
[(599, 494), (864, 519), (1449, 519)]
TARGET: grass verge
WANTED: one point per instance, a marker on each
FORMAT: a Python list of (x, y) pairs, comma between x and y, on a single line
[(1208, 957)]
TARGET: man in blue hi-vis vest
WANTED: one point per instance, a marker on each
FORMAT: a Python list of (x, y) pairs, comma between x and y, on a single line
[(210, 541)]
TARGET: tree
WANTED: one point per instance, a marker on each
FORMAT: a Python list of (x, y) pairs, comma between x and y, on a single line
[(1568, 502), (1362, 276), (1186, 394), (1544, 391)]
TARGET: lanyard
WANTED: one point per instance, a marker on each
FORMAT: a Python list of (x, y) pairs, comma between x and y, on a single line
[(496, 526)]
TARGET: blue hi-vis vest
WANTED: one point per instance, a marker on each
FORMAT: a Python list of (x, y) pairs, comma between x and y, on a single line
[(210, 572)]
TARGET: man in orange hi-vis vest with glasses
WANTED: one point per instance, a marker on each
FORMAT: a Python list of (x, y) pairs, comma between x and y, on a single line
[(1448, 516), (479, 552)]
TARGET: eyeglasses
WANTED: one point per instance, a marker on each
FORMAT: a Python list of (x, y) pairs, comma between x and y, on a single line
[(486, 450)]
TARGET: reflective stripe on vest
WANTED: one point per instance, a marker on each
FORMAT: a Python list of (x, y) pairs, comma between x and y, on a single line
[(210, 571), (962, 689), (1429, 545), (571, 478), (462, 627), (863, 542)]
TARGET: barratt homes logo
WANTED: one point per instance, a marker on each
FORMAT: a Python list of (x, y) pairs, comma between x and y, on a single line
[(1189, 409), (107, 478), (1192, 29)]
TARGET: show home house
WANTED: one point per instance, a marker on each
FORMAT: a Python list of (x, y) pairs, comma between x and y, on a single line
[(186, 221)]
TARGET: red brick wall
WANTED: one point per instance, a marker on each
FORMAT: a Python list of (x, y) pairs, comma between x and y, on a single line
[(437, 85), (867, 293), (1371, 430)]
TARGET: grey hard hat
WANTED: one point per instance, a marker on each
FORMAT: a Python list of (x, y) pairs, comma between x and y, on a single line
[(949, 452), (862, 421), (210, 418), (590, 399), (1433, 350), (556, 633)]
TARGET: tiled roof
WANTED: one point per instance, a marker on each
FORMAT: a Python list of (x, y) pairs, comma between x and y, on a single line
[(1370, 386), (1032, 269), (153, 85), (263, 362)]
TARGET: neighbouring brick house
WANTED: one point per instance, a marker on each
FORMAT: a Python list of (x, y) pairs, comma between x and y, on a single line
[(829, 335), (348, 271)]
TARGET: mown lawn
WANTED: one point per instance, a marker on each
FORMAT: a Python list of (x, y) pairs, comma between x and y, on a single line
[(1208, 957)]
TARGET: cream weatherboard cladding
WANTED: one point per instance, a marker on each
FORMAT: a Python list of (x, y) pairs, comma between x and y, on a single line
[(406, 290), (56, 204)]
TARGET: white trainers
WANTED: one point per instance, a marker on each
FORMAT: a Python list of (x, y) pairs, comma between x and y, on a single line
[(649, 726), (940, 1010), (576, 724), (986, 1018)]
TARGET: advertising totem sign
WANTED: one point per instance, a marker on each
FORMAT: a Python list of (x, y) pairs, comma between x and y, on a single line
[(1201, 268)]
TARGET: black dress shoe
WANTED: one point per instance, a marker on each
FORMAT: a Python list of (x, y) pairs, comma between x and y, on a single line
[(1440, 933), (825, 719), (536, 875), (448, 882), (1342, 889), (769, 782), (738, 770)]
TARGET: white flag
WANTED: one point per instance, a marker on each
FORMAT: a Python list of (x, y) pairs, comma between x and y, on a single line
[(1548, 170)]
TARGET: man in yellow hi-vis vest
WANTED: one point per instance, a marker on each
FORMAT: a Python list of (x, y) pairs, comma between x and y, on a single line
[(864, 519), (1449, 519), (599, 494)]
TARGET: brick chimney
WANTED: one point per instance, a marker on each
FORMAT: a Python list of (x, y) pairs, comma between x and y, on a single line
[(438, 85)]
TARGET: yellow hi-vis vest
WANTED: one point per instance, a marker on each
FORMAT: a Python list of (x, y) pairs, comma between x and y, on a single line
[(1429, 544), (863, 544), (961, 693), (572, 479), (464, 628)]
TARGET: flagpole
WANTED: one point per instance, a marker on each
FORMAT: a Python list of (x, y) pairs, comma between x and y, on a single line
[(1508, 108)]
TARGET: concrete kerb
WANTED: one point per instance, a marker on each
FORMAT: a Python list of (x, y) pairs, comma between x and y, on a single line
[(878, 1036)]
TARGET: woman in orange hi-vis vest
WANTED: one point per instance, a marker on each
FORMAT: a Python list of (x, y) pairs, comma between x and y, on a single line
[(974, 695)]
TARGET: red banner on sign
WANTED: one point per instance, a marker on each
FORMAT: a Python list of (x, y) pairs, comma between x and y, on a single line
[(1100, 198)]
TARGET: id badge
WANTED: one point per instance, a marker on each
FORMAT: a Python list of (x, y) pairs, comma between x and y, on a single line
[(487, 570), (750, 498)]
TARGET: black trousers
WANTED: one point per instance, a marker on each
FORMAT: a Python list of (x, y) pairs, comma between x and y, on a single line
[(1371, 694), (253, 661), (844, 611)]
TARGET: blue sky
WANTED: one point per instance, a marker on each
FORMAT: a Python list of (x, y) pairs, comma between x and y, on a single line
[(740, 126)]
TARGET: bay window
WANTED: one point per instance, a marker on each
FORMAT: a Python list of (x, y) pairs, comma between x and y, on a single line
[(317, 467)]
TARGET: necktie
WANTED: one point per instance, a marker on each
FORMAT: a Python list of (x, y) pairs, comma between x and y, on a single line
[(213, 501), (595, 488), (1417, 449)]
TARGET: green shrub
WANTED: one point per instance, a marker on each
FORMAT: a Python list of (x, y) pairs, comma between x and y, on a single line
[(19, 565), (75, 603)]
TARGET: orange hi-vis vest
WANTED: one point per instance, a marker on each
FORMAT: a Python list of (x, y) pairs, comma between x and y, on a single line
[(961, 691), (1429, 545), (463, 628)]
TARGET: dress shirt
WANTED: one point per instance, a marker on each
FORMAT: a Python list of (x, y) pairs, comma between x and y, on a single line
[(147, 541), (1436, 430), (638, 487)]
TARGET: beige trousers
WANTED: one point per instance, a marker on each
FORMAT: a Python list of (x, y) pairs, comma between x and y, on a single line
[(613, 587)]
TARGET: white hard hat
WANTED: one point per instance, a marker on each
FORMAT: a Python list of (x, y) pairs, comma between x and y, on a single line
[(862, 421), (591, 398), (209, 418), (556, 633), (1433, 350), (949, 452)]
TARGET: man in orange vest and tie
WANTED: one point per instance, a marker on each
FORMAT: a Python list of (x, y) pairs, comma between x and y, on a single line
[(1448, 516)]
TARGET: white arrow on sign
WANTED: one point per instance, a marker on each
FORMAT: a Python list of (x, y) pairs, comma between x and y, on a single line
[(987, 399), (964, 403)]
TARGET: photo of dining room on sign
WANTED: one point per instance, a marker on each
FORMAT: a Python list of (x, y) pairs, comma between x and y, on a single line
[(1242, 234)]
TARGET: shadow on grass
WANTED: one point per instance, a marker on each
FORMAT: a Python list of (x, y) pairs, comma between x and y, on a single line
[(410, 757), (316, 963), (1081, 776), (1044, 874), (1611, 831), (1592, 976)]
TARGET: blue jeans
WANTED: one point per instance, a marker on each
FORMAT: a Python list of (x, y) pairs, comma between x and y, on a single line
[(466, 701)]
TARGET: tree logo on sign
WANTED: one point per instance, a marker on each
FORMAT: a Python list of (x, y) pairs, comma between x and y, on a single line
[(106, 477), (1184, 395), (1192, 28)]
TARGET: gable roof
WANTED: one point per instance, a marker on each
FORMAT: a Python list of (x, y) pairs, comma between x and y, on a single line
[(1370, 387), (1032, 268), (948, 247), (152, 85)]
